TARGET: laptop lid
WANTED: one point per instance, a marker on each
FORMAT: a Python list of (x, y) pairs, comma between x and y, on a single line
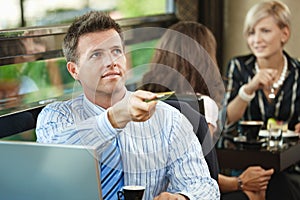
[(36, 171)]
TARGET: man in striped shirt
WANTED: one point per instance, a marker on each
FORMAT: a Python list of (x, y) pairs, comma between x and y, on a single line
[(158, 146)]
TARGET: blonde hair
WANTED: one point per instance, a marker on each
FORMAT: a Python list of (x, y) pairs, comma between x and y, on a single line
[(278, 10)]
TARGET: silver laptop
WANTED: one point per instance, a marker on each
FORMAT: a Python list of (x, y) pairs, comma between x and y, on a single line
[(32, 171)]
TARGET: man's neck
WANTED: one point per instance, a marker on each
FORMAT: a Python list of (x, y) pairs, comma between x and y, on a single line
[(106, 100)]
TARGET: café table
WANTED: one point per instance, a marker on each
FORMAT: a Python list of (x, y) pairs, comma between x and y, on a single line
[(239, 155)]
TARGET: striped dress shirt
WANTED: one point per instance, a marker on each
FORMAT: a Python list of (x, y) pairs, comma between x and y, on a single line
[(285, 106), (162, 153)]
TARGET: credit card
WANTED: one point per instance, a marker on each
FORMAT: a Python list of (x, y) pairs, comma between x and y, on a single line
[(161, 96)]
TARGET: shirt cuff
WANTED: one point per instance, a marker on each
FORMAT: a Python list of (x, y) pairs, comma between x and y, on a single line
[(105, 126)]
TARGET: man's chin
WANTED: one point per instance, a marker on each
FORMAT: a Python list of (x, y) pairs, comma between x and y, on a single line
[(113, 89)]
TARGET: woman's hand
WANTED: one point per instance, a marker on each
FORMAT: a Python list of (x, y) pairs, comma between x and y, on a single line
[(261, 195), (264, 79), (256, 178), (170, 196), (297, 128)]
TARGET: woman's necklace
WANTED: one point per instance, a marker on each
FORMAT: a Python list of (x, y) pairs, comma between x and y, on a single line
[(281, 79)]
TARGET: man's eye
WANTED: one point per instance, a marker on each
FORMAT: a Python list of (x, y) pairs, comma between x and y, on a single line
[(96, 54), (117, 51)]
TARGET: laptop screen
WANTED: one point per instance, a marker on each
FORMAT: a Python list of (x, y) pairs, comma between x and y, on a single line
[(36, 171)]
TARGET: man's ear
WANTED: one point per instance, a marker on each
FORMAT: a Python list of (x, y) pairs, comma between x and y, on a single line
[(73, 69)]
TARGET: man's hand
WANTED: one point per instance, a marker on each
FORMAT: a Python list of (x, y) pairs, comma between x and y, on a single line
[(169, 196), (132, 108)]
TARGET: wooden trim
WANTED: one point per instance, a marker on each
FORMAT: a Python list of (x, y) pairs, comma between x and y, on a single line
[(211, 14)]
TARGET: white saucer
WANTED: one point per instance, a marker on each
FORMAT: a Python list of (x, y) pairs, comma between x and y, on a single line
[(288, 133)]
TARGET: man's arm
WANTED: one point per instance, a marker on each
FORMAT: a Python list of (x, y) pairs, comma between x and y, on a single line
[(70, 123), (57, 124)]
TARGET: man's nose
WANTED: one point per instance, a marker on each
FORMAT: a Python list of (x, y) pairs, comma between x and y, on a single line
[(109, 60)]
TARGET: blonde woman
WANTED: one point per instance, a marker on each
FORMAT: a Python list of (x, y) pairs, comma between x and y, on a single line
[(265, 84)]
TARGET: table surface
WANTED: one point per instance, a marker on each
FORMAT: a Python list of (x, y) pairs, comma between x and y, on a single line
[(241, 157)]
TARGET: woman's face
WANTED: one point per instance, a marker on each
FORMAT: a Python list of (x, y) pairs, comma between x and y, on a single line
[(267, 39)]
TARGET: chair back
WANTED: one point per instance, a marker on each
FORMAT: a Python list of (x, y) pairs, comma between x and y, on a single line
[(200, 128)]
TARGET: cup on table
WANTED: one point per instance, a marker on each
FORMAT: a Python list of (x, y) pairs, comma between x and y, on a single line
[(275, 136), (131, 192), (250, 129)]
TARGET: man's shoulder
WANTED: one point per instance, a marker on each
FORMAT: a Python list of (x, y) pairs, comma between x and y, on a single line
[(73, 102), (163, 106), (167, 113)]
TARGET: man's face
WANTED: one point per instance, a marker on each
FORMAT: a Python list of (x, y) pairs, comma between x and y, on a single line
[(102, 64)]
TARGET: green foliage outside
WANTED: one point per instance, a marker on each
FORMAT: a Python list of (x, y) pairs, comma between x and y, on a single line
[(38, 72), (140, 56), (134, 8), (10, 72), (141, 53)]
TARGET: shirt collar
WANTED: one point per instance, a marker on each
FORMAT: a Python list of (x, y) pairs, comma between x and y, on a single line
[(87, 104)]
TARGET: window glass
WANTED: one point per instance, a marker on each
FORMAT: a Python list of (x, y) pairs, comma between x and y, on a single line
[(21, 13), (33, 70), (138, 58)]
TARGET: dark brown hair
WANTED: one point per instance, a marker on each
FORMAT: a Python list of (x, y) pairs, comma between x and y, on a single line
[(183, 55)]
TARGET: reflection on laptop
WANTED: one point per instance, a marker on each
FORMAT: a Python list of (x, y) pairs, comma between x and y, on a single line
[(32, 171)]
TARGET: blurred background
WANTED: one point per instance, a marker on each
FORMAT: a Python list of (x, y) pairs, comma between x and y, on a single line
[(32, 68)]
